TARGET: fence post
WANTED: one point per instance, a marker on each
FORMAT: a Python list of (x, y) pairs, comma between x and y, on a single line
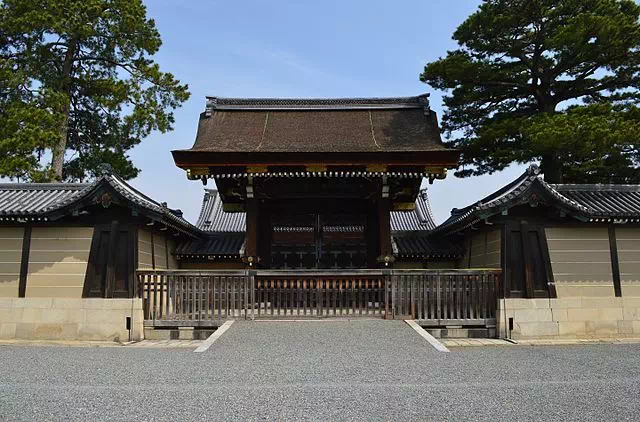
[(251, 291), (438, 296)]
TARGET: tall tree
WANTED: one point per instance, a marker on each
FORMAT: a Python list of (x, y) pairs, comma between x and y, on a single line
[(549, 80), (78, 85)]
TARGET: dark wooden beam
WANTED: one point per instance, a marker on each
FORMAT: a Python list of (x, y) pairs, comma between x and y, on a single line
[(615, 263), (24, 262), (251, 245), (109, 282), (153, 251), (384, 218)]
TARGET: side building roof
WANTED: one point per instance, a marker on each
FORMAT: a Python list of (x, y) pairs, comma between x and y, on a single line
[(51, 201), (588, 202)]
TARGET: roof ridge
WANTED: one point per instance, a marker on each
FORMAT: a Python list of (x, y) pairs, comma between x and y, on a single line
[(596, 186), (222, 103), (43, 186)]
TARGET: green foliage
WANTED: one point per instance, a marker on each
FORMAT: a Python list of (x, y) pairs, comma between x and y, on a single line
[(549, 80), (77, 76)]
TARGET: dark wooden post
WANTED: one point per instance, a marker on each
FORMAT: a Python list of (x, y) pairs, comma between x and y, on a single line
[(615, 263), (110, 278), (24, 263), (384, 219), (251, 245)]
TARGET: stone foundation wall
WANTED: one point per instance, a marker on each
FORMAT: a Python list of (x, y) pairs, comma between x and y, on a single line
[(70, 319), (577, 317)]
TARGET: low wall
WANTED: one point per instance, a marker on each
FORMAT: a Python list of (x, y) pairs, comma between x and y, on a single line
[(70, 319), (570, 317)]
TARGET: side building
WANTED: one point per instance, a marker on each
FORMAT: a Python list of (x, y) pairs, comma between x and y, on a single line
[(570, 255), (70, 254)]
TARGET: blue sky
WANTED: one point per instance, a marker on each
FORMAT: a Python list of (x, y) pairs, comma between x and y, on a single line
[(328, 48)]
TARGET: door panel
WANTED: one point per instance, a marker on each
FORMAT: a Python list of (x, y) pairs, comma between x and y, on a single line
[(527, 271), (315, 240), (101, 258)]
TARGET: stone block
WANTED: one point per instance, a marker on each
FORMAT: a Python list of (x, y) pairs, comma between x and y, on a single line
[(94, 304), (635, 325), (185, 333), (519, 303), (7, 330), (630, 289), (47, 331), (583, 314), (37, 302), (570, 302), (631, 302), (532, 315), (608, 314), (571, 329), (31, 315), (55, 316), (625, 327), (560, 314), (536, 329), (601, 328), (6, 302), (602, 302), (11, 314), (597, 291), (152, 334), (24, 330), (631, 314), (18, 302), (105, 331), (66, 303), (69, 331)]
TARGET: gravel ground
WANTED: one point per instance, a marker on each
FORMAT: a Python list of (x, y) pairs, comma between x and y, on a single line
[(347, 370)]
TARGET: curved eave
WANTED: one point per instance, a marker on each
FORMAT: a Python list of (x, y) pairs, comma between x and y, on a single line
[(186, 159)]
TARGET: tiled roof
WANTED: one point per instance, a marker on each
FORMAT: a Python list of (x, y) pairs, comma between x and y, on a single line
[(214, 219), (420, 219), (42, 200), (218, 244), (17, 199), (421, 245), (590, 202), (232, 125), (604, 200)]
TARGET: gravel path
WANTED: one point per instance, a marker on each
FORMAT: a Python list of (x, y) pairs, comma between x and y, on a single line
[(347, 370)]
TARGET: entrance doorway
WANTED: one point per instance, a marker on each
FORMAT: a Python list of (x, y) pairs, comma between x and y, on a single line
[(318, 241)]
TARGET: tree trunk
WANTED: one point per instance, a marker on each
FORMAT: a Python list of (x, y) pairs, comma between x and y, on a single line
[(57, 159), (551, 165), (552, 169)]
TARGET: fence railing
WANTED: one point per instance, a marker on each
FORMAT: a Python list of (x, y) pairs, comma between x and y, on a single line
[(202, 298), (193, 297), (445, 297), (319, 294)]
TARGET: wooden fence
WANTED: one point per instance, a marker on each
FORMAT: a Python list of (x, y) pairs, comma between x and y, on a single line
[(445, 297), (205, 298), (287, 294)]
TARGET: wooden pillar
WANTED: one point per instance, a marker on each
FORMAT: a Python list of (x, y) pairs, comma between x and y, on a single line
[(110, 278), (251, 245), (384, 219), (24, 263), (615, 263)]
